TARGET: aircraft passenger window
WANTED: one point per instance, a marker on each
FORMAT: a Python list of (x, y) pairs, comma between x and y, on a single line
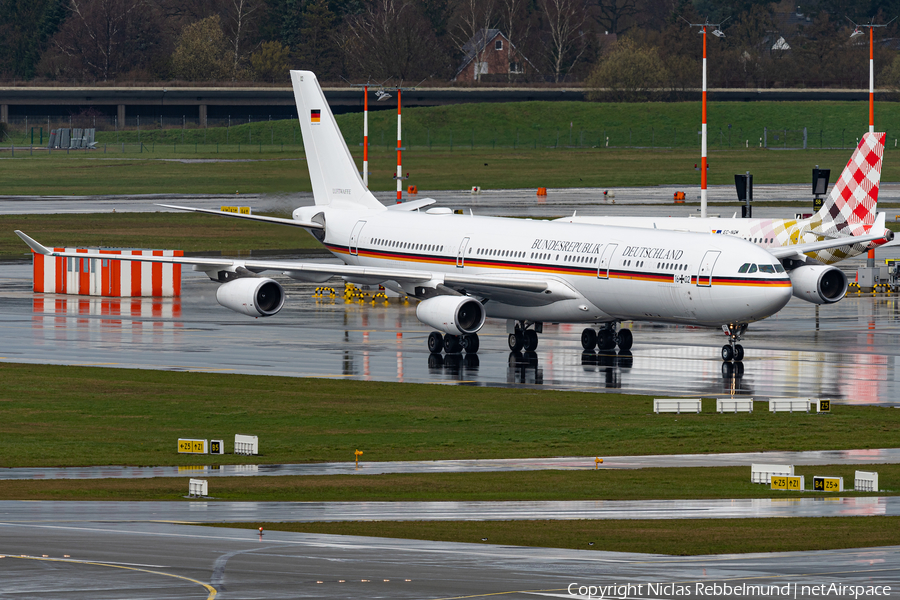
[(779, 268), (752, 269), (744, 268)]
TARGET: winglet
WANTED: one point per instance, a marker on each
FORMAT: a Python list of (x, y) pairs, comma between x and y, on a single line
[(34, 245)]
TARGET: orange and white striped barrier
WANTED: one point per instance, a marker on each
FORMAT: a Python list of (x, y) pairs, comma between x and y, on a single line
[(98, 273)]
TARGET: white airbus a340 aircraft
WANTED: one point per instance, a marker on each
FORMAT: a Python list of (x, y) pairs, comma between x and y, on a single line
[(465, 268), (847, 213)]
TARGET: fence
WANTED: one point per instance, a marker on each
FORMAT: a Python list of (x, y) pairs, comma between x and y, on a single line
[(254, 132)]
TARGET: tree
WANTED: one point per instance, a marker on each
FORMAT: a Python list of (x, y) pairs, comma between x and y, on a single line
[(25, 28), (392, 39), (240, 23), (103, 39), (202, 52), (271, 62), (613, 14), (629, 73), (566, 30), (317, 48)]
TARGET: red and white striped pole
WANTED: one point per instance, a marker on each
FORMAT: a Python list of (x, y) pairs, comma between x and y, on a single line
[(703, 137), (366, 136), (399, 152), (871, 82)]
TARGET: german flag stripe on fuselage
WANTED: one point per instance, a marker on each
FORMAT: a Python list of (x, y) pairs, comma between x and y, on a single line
[(532, 267)]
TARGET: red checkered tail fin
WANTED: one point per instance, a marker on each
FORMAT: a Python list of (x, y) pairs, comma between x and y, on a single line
[(853, 199)]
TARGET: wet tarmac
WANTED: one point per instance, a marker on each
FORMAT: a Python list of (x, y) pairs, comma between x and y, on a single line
[(636, 201), (869, 457), (102, 559), (848, 352), (211, 511)]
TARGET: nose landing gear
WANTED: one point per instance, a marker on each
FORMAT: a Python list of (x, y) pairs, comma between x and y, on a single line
[(733, 350)]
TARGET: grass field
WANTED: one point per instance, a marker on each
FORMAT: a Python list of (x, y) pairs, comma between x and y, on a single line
[(436, 170), (603, 484), (80, 416), (675, 537), (504, 145)]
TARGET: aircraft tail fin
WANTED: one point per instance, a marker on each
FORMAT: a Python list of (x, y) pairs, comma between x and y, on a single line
[(335, 178), (852, 203)]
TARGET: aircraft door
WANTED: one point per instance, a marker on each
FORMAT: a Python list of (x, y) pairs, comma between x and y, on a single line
[(606, 260), (704, 275), (354, 237), (461, 254)]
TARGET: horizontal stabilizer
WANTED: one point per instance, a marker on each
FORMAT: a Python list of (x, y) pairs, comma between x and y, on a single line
[(220, 213)]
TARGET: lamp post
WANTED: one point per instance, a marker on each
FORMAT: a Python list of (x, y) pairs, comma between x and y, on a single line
[(703, 134), (856, 32)]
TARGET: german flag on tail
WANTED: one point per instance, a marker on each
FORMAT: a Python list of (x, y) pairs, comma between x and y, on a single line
[(315, 115)]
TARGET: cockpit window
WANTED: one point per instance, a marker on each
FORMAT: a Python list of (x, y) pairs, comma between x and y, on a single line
[(744, 268), (779, 268), (766, 268), (752, 269)]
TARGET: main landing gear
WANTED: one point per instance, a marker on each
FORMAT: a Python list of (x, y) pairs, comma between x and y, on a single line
[(453, 344), (607, 338), (732, 350), (523, 335)]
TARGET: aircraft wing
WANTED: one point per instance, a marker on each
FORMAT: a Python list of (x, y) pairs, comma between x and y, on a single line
[(550, 290), (797, 251), (276, 220)]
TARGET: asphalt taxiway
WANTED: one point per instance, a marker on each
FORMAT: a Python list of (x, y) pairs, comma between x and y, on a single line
[(151, 560)]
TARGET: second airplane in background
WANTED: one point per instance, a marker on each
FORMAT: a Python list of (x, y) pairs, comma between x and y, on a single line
[(848, 213)]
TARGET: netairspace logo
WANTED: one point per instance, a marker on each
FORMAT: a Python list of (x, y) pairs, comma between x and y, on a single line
[(623, 591)]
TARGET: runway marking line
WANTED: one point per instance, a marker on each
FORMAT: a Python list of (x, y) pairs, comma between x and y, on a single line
[(209, 588)]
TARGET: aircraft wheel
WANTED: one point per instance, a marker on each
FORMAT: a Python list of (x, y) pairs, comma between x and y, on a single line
[(516, 341), (470, 343), (738, 353), (531, 340), (435, 342), (606, 340), (727, 353), (588, 339), (452, 344), (624, 339)]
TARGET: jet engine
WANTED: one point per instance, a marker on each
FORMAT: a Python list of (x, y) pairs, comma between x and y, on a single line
[(819, 284), (456, 315), (252, 296)]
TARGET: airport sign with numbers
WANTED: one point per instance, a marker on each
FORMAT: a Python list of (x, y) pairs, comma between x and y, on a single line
[(188, 446), (828, 484)]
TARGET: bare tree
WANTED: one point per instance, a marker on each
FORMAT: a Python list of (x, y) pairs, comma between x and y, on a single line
[(611, 14), (392, 39), (241, 19), (514, 19), (104, 38), (567, 42), (474, 19)]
